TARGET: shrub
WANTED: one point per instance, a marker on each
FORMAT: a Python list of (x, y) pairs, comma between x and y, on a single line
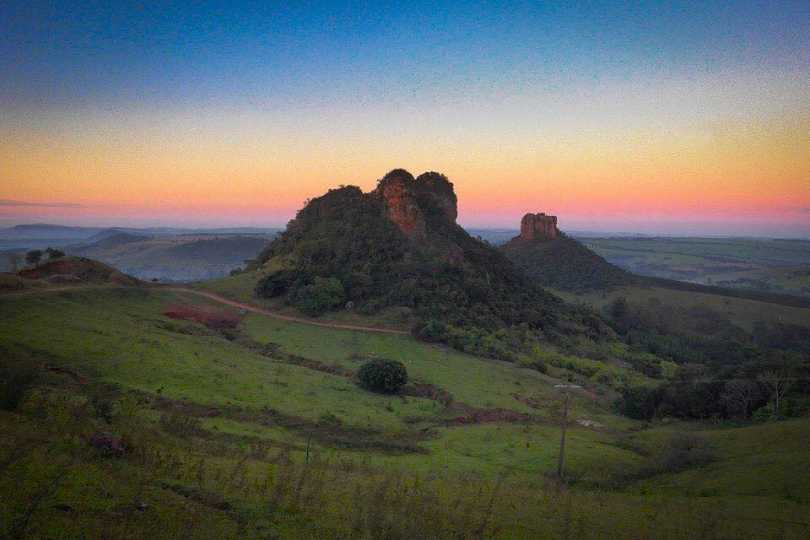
[(33, 257), (277, 283), (639, 402), (385, 376), (431, 331), (685, 452), (321, 296), (54, 253), (15, 381)]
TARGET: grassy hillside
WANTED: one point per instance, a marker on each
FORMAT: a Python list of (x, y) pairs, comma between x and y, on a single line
[(257, 430)]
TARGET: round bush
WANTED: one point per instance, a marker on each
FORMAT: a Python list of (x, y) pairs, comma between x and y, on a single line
[(386, 376)]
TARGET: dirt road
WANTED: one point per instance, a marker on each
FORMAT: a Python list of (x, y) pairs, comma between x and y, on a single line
[(227, 301)]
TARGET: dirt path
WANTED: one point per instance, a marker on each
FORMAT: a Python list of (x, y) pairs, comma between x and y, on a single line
[(254, 309), (222, 300)]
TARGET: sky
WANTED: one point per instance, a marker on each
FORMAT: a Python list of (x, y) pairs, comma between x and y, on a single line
[(659, 117)]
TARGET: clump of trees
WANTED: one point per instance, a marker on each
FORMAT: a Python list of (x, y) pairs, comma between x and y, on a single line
[(320, 296), (35, 256), (724, 371), (54, 253), (753, 391), (383, 376)]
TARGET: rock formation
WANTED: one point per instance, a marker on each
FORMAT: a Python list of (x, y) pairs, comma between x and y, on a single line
[(550, 258), (538, 227), (413, 203), (398, 192)]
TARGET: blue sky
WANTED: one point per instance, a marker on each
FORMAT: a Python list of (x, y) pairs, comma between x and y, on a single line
[(631, 109)]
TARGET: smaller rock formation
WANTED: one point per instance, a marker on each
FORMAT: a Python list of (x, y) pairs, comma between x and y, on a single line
[(538, 227)]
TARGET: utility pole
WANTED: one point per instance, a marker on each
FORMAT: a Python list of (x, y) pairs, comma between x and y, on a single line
[(563, 426)]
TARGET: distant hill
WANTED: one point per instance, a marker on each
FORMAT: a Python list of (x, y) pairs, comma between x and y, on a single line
[(21, 238), (76, 270), (552, 259), (48, 231), (173, 258), (399, 247), (111, 239), (111, 232)]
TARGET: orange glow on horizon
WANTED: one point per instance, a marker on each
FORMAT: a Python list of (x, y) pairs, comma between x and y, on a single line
[(731, 169)]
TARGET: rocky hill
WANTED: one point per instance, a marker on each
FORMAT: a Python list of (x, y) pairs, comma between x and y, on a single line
[(399, 246), (552, 259)]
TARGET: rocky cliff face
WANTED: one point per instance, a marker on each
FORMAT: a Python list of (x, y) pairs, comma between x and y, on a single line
[(414, 204), (538, 227)]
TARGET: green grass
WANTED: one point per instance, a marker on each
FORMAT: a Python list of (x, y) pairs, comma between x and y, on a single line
[(778, 266), (777, 452), (133, 345), (740, 311), (392, 463)]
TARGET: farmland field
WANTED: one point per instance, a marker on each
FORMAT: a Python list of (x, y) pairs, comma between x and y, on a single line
[(781, 266)]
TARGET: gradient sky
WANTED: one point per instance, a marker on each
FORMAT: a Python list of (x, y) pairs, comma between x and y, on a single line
[(681, 118)]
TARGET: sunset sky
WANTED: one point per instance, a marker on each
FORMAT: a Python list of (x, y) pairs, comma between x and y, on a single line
[(691, 118)]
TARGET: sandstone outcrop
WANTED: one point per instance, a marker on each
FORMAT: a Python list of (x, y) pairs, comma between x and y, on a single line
[(414, 203), (538, 227)]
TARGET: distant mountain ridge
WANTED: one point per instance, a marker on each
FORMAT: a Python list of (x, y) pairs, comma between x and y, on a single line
[(172, 257)]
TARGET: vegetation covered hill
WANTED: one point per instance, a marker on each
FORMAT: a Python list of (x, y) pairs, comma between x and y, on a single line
[(564, 263), (400, 247)]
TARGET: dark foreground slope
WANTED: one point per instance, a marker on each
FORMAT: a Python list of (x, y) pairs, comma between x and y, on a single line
[(400, 247)]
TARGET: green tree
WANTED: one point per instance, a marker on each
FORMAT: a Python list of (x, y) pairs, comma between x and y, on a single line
[(322, 295), (33, 256), (54, 253), (385, 376)]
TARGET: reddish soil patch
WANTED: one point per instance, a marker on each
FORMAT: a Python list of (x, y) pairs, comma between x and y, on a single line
[(429, 391), (474, 415), (212, 318)]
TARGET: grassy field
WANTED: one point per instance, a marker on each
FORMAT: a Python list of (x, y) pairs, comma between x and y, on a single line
[(777, 266), (740, 311), (259, 431)]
